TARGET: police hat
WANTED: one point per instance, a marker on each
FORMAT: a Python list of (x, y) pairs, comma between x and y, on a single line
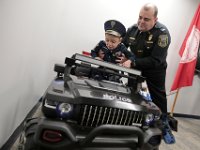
[(114, 27)]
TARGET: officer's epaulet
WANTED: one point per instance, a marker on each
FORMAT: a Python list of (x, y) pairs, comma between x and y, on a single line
[(132, 27), (160, 26)]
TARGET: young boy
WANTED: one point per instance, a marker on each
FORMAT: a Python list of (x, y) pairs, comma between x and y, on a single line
[(111, 50)]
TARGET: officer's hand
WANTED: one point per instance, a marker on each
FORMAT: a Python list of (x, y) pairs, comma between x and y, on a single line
[(127, 64)]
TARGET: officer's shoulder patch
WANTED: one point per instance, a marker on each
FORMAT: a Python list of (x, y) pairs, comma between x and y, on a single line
[(163, 40)]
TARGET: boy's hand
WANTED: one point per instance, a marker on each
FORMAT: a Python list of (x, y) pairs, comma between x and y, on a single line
[(127, 64), (98, 58), (101, 54)]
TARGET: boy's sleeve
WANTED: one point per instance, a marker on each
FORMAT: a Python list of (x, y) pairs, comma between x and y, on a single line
[(95, 50)]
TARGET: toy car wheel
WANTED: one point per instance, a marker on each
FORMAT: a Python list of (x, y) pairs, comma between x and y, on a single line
[(30, 145), (28, 136)]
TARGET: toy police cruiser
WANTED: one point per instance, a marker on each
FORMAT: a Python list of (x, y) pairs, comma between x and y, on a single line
[(83, 113)]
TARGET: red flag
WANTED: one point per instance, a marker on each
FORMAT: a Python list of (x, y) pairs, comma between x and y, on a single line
[(188, 52)]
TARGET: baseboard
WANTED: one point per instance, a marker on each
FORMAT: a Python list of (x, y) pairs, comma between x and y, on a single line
[(19, 129), (186, 116)]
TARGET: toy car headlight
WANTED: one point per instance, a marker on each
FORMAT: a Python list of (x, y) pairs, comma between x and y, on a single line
[(149, 119), (64, 110)]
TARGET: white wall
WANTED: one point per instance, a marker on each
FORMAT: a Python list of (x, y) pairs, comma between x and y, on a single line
[(35, 34)]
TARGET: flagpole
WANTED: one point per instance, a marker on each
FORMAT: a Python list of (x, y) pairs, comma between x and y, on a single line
[(174, 103)]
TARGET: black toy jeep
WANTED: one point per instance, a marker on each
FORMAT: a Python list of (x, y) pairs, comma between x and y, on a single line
[(81, 112)]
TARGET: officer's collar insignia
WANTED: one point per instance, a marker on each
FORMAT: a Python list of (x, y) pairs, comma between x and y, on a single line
[(113, 23), (163, 40), (150, 37)]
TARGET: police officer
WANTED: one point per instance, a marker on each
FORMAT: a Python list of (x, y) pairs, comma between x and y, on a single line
[(111, 48), (149, 41)]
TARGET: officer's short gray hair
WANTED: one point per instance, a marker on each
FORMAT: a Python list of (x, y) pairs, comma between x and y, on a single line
[(151, 6)]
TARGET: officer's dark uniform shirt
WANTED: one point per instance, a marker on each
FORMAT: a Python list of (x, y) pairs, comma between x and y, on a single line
[(111, 56), (151, 46), (150, 49)]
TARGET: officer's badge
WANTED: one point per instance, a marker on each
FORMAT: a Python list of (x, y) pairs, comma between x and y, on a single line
[(163, 40)]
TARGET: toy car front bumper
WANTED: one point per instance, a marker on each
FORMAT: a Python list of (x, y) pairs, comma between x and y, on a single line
[(102, 137)]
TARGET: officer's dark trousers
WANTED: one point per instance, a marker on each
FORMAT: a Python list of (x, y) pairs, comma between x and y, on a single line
[(156, 84)]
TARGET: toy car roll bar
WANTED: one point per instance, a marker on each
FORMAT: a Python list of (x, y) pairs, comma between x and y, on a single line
[(107, 67), (106, 64)]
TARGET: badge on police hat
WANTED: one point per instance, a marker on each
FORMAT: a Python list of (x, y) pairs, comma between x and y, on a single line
[(112, 23), (163, 40)]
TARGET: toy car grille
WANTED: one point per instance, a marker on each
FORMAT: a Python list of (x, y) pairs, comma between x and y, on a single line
[(93, 116)]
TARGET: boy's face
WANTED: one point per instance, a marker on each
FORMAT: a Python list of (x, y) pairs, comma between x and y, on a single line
[(112, 41)]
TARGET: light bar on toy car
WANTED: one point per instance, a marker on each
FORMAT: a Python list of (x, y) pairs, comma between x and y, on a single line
[(105, 64)]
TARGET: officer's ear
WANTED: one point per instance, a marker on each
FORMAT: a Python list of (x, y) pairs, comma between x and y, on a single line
[(120, 39), (156, 19)]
